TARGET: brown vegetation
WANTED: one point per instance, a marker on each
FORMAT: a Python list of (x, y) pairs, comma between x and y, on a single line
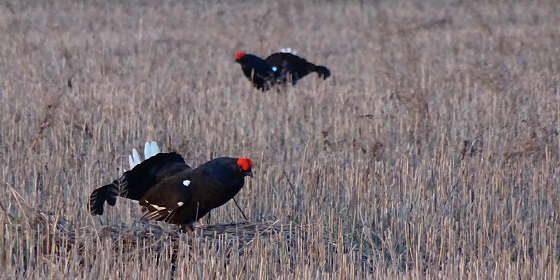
[(432, 152)]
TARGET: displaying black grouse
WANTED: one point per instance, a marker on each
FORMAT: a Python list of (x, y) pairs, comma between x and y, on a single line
[(279, 68), (170, 190)]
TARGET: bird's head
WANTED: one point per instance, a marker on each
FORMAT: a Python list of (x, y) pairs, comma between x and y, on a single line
[(245, 165), (239, 56)]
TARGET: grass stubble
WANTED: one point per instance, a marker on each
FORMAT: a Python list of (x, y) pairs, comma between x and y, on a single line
[(432, 152)]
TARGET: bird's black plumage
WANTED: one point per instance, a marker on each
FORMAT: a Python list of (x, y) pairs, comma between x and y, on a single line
[(169, 190), (262, 74), (278, 68), (133, 184)]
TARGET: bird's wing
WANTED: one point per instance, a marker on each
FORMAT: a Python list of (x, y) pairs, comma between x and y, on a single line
[(136, 182), (262, 69), (290, 65), (163, 201), (284, 59)]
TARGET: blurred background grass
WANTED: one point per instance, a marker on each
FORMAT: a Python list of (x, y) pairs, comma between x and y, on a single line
[(432, 152)]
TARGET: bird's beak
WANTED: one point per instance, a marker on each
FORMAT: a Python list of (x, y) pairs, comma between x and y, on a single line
[(249, 173)]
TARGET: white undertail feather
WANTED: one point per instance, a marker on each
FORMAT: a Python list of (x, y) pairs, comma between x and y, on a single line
[(135, 158), (155, 148), (147, 150), (131, 162), (288, 50), (150, 149)]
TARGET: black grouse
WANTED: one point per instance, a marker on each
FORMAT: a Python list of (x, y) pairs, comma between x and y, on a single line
[(278, 68), (170, 190)]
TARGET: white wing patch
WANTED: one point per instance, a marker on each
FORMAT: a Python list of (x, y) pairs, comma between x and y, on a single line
[(186, 183), (180, 203), (157, 207), (150, 149), (274, 68), (288, 50)]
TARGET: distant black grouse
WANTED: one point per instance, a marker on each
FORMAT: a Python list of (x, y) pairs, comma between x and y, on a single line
[(169, 190), (278, 68)]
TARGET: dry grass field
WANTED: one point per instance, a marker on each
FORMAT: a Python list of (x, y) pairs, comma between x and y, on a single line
[(431, 153)]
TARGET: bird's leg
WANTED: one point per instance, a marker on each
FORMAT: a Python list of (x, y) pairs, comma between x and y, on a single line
[(239, 209), (208, 219), (187, 227)]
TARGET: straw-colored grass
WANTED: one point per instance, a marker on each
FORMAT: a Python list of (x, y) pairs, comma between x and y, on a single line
[(432, 152)]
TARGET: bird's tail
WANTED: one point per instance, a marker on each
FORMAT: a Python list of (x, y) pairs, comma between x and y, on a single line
[(110, 192), (288, 50), (100, 195), (322, 71)]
